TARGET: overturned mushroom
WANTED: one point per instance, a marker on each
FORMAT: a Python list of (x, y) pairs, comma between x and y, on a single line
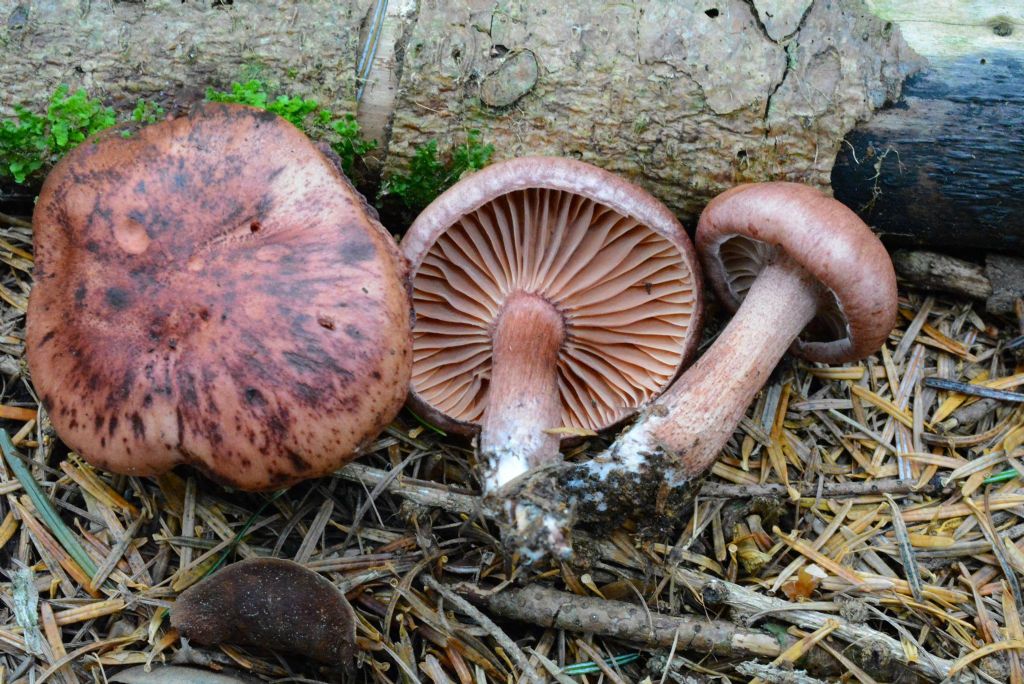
[(548, 294), (211, 290), (800, 263), (273, 604)]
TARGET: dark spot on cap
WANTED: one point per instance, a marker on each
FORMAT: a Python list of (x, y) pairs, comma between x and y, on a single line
[(98, 423), (307, 394), (264, 116), (112, 425), (277, 427), (300, 464), (375, 375), (181, 427), (47, 337), (138, 427), (80, 296), (254, 397), (147, 400), (357, 252), (353, 332), (180, 181), (325, 322), (118, 298)]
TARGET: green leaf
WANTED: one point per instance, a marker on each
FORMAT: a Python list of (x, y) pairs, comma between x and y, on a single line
[(60, 133)]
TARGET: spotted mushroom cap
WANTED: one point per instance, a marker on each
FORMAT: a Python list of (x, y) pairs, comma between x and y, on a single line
[(211, 290), (606, 254), (740, 230)]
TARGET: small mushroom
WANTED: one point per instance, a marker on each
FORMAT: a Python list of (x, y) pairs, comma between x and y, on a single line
[(269, 603), (548, 294), (211, 290), (806, 274)]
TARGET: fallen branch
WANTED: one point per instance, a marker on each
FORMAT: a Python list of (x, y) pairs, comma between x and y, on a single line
[(555, 609), (745, 602), (828, 490), (511, 648)]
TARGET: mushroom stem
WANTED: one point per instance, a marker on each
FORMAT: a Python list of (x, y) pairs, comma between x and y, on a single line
[(523, 397), (695, 417)]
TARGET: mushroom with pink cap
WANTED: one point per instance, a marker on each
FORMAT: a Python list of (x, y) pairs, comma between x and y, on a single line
[(548, 294), (806, 274), (210, 290)]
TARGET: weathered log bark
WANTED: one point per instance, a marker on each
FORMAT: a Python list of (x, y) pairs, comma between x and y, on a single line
[(943, 167), (999, 283), (684, 98)]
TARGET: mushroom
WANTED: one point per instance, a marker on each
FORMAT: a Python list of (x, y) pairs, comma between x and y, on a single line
[(270, 603), (211, 290), (794, 262), (548, 294)]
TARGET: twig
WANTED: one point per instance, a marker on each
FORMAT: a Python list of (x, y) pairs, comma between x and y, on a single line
[(14, 221), (829, 490), (421, 492), (555, 609), (499, 635), (748, 602), (974, 390), (598, 660), (774, 674), (426, 493)]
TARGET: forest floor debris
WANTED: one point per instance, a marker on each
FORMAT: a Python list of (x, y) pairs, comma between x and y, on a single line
[(863, 519)]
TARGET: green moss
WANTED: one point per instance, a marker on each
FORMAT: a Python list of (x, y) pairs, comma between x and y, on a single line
[(30, 141), (341, 132), (428, 175)]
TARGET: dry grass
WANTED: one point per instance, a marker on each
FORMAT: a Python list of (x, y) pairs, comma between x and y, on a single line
[(886, 545)]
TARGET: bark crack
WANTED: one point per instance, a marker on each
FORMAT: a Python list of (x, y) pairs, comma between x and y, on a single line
[(788, 43)]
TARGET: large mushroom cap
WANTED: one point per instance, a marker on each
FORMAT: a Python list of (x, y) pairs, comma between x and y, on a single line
[(611, 259), (740, 230), (211, 290)]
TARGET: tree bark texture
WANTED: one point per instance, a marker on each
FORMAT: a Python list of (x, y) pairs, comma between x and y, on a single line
[(685, 98)]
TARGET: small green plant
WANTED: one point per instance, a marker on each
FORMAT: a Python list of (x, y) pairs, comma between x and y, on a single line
[(146, 112), (349, 144), (30, 140), (428, 176), (341, 132)]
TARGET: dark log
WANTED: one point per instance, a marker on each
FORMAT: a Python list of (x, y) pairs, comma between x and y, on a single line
[(944, 166)]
